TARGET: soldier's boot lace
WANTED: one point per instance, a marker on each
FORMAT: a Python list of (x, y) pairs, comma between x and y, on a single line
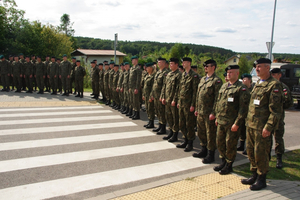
[(219, 167), (260, 182), (251, 179)]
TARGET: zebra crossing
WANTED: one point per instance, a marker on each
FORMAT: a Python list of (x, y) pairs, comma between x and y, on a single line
[(80, 152)]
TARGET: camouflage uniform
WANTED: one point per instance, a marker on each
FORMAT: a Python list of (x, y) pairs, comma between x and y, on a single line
[(23, 70), (17, 70), (114, 87), (65, 71), (106, 84), (79, 75), (120, 81), (110, 84), (101, 82), (53, 70), (144, 74), (168, 92), (148, 84), (125, 87), (243, 126), (40, 72), (47, 81), (265, 111), (187, 98), (207, 95), (232, 107), (72, 77), (134, 82), (159, 81), (28, 71), (95, 80), (5, 73), (34, 79)]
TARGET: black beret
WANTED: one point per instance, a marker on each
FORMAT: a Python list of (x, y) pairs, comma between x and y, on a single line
[(32, 55), (93, 62), (262, 60), (10, 56), (100, 63), (77, 60), (106, 64), (105, 61), (194, 66), (53, 57), (58, 59), (210, 61), (47, 56), (276, 71), (246, 76), (175, 60), (232, 67), (180, 66), (160, 58), (116, 65), (27, 56), (38, 56), (225, 74), (186, 59)]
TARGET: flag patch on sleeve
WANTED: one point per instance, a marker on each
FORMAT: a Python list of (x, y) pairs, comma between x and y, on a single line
[(276, 90)]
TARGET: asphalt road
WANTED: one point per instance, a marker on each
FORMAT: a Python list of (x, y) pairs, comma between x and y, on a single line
[(81, 152)]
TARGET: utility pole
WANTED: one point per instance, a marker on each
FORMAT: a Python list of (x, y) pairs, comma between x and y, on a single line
[(273, 24), (115, 45)]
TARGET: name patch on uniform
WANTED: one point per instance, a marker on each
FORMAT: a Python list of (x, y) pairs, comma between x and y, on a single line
[(244, 89), (276, 90), (230, 99), (256, 102), (218, 81), (195, 76), (284, 90)]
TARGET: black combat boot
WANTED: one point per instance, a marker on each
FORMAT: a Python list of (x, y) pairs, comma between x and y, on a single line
[(189, 146), (227, 169), (126, 110), (92, 94), (260, 183), (133, 114), (174, 137), (39, 92), (136, 116), (219, 167), (81, 94), (245, 152), (157, 129), (183, 144), (129, 112), (95, 97), (202, 153), (147, 124), (74, 92), (168, 136), (241, 146), (209, 158), (78, 95), (279, 161), (251, 180), (162, 130), (67, 93), (151, 124)]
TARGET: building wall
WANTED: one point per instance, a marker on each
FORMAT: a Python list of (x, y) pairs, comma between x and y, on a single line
[(231, 61)]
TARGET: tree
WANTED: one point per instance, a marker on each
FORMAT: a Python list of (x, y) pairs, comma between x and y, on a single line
[(66, 25), (244, 65)]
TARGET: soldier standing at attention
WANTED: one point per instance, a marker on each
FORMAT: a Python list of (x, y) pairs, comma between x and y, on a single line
[(59, 84), (231, 110), (53, 73), (115, 86), (40, 74), (135, 87), (247, 81), (149, 104), (186, 104), (144, 74), (22, 60), (110, 83), (159, 81), (47, 83), (121, 94), (11, 80), (17, 73), (95, 80), (65, 72), (279, 130), (265, 112), (5, 73), (106, 84), (28, 74), (79, 75), (33, 60), (101, 82), (72, 79), (169, 98), (207, 95), (125, 89)]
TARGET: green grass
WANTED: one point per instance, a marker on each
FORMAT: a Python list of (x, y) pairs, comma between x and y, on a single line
[(87, 89), (290, 170)]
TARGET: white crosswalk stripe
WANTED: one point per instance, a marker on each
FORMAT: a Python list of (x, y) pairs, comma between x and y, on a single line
[(27, 150)]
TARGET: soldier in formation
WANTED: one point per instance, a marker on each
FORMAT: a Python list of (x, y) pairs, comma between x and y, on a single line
[(53, 73), (5, 69), (79, 73), (95, 80)]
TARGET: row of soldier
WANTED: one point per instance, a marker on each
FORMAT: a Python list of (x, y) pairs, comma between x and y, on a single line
[(223, 113), (31, 72)]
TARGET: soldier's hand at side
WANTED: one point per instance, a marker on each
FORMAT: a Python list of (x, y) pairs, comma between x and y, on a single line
[(212, 117), (55, 76), (150, 100), (43, 76), (48, 76), (59, 76), (136, 91), (163, 101), (8, 74), (68, 76), (192, 109), (196, 113), (21, 75), (266, 133), (234, 128), (143, 98), (12, 75), (30, 76), (160, 99), (24, 76), (173, 103), (178, 106), (216, 123), (122, 89)]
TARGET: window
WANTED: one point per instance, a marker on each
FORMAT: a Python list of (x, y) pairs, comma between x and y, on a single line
[(234, 60), (297, 72)]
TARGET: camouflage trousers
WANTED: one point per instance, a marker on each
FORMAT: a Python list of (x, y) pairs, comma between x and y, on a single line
[(29, 82), (79, 84), (149, 108), (101, 88), (227, 142), (65, 81), (53, 83), (95, 87), (5, 81), (17, 82), (72, 80), (172, 117), (278, 136), (187, 122), (206, 131), (116, 96), (40, 82), (243, 131), (59, 84), (135, 100), (121, 97), (126, 98), (106, 91), (258, 150), (160, 111)]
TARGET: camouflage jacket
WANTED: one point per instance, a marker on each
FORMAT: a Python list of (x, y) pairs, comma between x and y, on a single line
[(125, 85), (111, 77), (170, 88), (187, 89), (28, 68), (144, 74), (106, 78), (40, 69), (232, 104), (53, 69), (73, 70), (47, 66), (79, 72), (101, 76), (266, 104), (115, 80), (121, 78), (207, 95), (135, 76), (17, 68), (65, 68), (159, 81), (5, 67), (287, 97), (148, 84), (95, 74)]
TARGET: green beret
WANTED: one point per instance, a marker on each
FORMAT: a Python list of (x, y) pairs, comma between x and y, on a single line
[(74, 58), (232, 67), (1, 57), (246, 76), (126, 63), (175, 60), (276, 71), (134, 57), (262, 60), (225, 74), (21, 54), (65, 55), (112, 62), (160, 58), (186, 59), (150, 64)]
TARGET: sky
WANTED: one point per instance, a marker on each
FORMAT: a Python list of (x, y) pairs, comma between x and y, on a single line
[(238, 25)]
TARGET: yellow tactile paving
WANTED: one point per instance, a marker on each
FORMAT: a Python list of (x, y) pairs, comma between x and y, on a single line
[(209, 186), (47, 103)]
